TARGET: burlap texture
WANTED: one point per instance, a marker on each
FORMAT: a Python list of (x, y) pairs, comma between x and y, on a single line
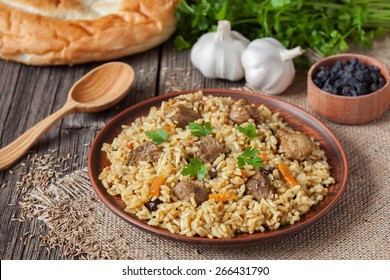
[(357, 228)]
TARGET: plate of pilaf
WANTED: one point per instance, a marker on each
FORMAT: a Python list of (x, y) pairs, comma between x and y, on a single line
[(218, 167)]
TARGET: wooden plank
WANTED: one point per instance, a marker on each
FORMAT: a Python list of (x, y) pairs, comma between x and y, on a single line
[(8, 81), (28, 94), (30, 103), (177, 73)]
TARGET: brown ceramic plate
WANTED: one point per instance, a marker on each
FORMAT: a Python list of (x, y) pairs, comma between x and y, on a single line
[(297, 118)]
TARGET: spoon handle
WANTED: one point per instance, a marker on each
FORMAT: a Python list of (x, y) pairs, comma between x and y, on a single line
[(15, 150)]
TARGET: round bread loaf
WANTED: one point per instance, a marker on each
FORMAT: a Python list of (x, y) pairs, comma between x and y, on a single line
[(51, 32)]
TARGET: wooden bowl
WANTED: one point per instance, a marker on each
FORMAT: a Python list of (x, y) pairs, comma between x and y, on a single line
[(348, 109), (296, 118)]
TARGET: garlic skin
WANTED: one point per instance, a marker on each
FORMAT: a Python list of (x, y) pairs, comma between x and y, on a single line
[(218, 54), (268, 65)]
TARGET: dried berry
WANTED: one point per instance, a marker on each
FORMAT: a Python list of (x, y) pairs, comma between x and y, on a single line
[(152, 204), (354, 61), (330, 88), (336, 67), (381, 81), (361, 88), (352, 78)]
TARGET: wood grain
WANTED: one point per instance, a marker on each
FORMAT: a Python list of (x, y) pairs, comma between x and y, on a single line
[(99, 89), (27, 95)]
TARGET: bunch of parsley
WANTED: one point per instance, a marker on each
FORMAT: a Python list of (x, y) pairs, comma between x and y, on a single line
[(325, 26)]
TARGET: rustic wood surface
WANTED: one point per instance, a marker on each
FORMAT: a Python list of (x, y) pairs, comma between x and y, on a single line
[(28, 94)]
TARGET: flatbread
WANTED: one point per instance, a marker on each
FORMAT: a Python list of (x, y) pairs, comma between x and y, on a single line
[(55, 32)]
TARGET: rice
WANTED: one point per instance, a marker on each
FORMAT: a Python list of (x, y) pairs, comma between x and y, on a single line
[(213, 219)]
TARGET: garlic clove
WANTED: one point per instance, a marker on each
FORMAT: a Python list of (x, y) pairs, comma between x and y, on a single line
[(218, 54), (268, 65)]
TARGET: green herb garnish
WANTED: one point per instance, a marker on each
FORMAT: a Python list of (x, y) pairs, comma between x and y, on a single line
[(325, 26), (249, 131), (249, 156), (158, 136), (195, 167), (199, 130)]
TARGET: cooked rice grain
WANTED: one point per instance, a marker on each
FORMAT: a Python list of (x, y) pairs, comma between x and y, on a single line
[(213, 219)]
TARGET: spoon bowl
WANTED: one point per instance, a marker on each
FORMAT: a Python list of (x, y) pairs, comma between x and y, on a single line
[(102, 87), (96, 91)]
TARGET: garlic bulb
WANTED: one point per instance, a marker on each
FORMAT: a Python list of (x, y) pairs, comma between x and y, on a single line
[(268, 65), (218, 54)]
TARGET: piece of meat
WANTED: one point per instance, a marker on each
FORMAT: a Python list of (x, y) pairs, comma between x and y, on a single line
[(241, 112), (201, 194), (238, 113), (254, 112), (208, 149), (183, 115), (258, 186), (148, 151), (184, 189), (295, 145)]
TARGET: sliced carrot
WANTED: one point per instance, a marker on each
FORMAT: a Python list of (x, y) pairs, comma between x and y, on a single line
[(154, 189), (169, 127), (130, 146), (222, 197), (263, 156), (287, 174), (243, 173)]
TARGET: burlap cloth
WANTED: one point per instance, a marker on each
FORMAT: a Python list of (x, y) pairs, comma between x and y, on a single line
[(358, 227)]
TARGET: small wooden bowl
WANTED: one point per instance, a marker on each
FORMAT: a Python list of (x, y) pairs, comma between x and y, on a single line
[(348, 109)]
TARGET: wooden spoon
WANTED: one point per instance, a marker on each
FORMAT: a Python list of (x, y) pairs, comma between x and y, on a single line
[(98, 90)]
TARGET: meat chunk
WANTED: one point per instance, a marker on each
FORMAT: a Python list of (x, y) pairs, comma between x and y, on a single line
[(148, 151), (183, 115), (185, 189), (295, 145), (258, 186), (208, 149), (241, 112)]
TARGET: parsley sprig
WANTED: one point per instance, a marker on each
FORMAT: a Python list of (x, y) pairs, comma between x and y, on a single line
[(326, 26), (195, 167), (249, 156), (249, 131), (157, 136), (199, 130)]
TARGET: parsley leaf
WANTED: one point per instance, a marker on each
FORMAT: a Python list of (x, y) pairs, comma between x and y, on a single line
[(249, 131), (198, 130), (249, 157), (309, 24), (181, 43), (158, 136), (195, 167)]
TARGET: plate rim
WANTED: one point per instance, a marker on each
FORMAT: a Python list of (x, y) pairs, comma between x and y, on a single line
[(237, 240)]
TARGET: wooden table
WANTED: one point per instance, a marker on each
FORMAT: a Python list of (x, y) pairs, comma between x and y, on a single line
[(28, 94)]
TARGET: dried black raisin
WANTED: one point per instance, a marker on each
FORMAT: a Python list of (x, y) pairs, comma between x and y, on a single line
[(152, 204), (352, 78)]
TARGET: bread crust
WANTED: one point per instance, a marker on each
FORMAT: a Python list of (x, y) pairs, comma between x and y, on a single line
[(138, 25)]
